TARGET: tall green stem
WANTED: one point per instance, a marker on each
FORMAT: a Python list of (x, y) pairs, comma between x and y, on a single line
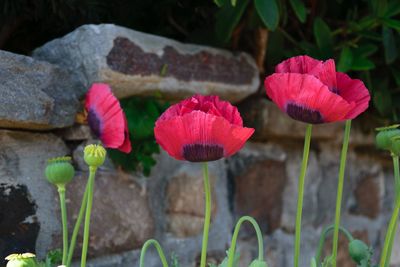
[(385, 260), (231, 253), (159, 250), (343, 157), (207, 216), (322, 239), (397, 192), (86, 228), (77, 226), (61, 193), (303, 171), (391, 232)]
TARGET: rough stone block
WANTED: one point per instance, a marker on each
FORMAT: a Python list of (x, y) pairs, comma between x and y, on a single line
[(28, 212), (36, 94), (121, 218), (135, 63)]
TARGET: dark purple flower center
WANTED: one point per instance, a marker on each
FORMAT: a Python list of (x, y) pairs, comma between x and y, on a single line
[(94, 122), (304, 114), (334, 90), (202, 152)]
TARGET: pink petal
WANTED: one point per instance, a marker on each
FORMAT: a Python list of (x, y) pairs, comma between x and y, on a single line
[(199, 127), (308, 92), (353, 91)]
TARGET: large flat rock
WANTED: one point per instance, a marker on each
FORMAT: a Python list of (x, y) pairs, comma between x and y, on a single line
[(135, 63), (36, 94)]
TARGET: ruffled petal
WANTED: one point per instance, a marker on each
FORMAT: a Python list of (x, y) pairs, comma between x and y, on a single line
[(208, 104), (105, 115), (204, 130), (126, 146), (300, 64), (305, 92), (353, 91)]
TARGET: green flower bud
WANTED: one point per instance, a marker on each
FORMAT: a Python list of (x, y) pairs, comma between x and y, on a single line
[(384, 136), (94, 155), (358, 251), (21, 260), (258, 263), (59, 171)]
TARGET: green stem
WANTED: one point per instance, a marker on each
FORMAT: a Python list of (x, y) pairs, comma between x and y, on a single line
[(159, 250), (391, 231), (322, 239), (303, 171), (207, 216), (86, 228), (61, 193), (77, 226), (343, 157), (397, 192), (231, 253)]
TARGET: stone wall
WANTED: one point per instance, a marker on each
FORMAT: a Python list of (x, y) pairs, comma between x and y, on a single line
[(39, 101)]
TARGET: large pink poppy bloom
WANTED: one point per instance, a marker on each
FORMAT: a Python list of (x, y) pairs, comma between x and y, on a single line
[(106, 118), (201, 128), (311, 91)]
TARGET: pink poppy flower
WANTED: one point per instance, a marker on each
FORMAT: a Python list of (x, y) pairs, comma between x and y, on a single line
[(106, 118), (201, 128), (311, 91)]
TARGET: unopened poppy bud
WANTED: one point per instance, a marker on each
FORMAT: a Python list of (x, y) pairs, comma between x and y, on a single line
[(384, 136), (59, 171), (21, 260), (94, 155), (358, 250), (258, 263)]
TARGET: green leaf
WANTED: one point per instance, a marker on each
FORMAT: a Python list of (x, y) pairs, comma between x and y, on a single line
[(219, 3), (233, 2), (268, 12), (389, 45), (393, 9), (299, 9), (379, 7), (227, 18), (392, 23), (361, 63), (383, 101), (323, 37), (365, 50), (345, 60)]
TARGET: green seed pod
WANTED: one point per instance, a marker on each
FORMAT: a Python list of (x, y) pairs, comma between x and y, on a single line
[(384, 136), (258, 263), (59, 171), (395, 146), (358, 251), (94, 155), (21, 260)]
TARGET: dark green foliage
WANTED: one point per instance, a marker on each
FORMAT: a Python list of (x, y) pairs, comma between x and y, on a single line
[(362, 36), (53, 259), (141, 114)]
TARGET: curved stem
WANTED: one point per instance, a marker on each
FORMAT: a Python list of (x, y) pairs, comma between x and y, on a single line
[(86, 228), (207, 215), (231, 253), (397, 190), (385, 258), (61, 193), (322, 239), (303, 170), (77, 226), (343, 157), (159, 250)]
